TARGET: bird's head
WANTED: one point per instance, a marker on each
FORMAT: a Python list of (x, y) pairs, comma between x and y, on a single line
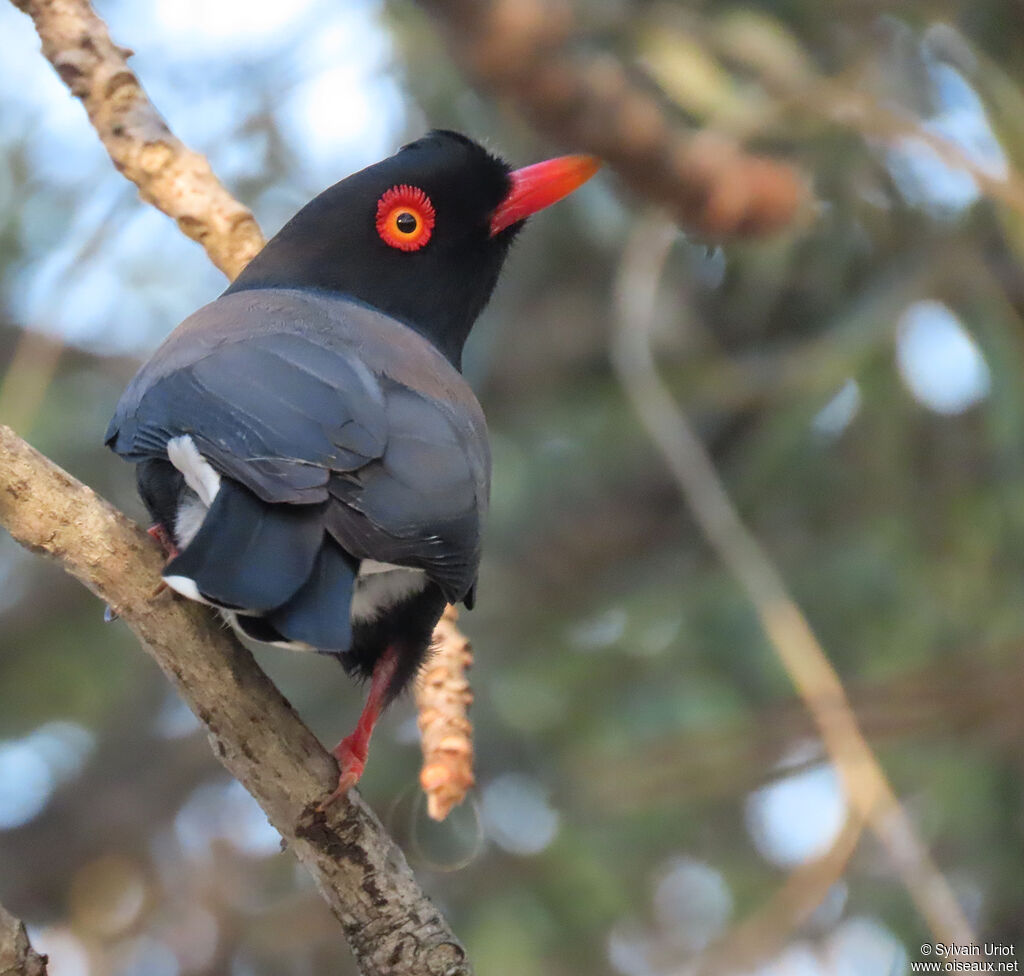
[(421, 235)]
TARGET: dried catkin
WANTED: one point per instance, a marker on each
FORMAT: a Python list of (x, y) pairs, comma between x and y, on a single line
[(443, 697)]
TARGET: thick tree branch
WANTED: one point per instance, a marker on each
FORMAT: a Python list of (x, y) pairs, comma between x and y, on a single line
[(520, 48), (168, 174), (392, 926), (17, 957)]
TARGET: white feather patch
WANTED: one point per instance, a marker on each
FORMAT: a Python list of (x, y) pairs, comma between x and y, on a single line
[(199, 475), (370, 567), (379, 586), (191, 512), (186, 586), (204, 483)]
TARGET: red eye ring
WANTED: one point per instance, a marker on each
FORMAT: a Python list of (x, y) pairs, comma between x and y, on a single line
[(394, 210)]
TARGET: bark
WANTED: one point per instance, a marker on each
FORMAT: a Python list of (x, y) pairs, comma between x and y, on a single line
[(392, 926), (17, 957), (168, 174)]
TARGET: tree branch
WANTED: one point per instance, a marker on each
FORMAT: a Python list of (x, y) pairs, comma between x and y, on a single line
[(168, 174), (587, 101), (752, 942), (866, 786), (17, 957), (392, 926)]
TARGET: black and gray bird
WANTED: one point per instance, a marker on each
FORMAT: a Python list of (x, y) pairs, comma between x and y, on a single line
[(313, 461)]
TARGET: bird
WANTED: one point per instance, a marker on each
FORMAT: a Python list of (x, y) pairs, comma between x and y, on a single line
[(314, 464)]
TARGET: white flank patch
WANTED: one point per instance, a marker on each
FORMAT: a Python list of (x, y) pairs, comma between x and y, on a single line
[(186, 586), (380, 586), (192, 507), (191, 512), (370, 567), (199, 476)]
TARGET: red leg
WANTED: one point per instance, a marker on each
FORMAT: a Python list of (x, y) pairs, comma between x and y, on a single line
[(352, 751), (160, 534), (163, 537)]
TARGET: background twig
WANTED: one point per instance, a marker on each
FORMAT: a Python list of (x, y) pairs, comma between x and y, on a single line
[(520, 48), (24, 383), (866, 786), (760, 935)]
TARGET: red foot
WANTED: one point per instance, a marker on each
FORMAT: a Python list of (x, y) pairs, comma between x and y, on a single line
[(163, 537), (353, 750), (351, 754)]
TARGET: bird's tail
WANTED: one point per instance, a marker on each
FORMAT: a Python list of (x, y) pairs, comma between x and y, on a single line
[(274, 565)]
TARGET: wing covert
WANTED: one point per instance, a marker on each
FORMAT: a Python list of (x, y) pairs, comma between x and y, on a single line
[(355, 408)]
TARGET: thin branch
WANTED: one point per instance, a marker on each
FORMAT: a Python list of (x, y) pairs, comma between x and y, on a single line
[(392, 926), (848, 101), (520, 48), (17, 957), (26, 380), (764, 932), (788, 631), (168, 174)]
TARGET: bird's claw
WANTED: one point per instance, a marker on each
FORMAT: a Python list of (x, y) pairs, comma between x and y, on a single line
[(157, 532), (352, 761)]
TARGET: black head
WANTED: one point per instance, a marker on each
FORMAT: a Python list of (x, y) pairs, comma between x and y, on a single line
[(421, 235)]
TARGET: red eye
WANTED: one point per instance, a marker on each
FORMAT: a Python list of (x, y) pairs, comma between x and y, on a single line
[(405, 218)]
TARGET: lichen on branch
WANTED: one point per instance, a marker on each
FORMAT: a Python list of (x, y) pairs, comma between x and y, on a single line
[(391, 925)]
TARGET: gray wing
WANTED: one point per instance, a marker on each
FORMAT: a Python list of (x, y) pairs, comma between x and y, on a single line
[(318, 399)]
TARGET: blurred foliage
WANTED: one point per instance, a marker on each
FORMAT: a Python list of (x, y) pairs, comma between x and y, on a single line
[(646, 778)]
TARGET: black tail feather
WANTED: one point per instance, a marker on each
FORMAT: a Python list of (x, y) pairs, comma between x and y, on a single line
[(248, 554), (319, 613)]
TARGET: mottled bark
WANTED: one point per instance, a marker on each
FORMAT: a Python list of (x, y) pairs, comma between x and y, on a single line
[(168, 174), (17, 957), (392, 926)]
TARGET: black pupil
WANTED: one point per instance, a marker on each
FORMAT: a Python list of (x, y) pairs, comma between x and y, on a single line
[(406, 223)]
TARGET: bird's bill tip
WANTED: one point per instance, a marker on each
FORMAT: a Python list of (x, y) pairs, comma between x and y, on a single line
[(540, 185)]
